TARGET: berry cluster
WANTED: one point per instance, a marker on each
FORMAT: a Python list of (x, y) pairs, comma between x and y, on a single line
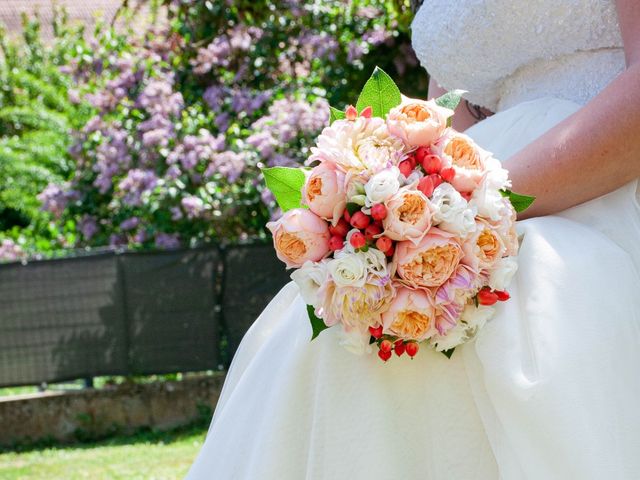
[(388, 344), (434, 172), (488, 297)]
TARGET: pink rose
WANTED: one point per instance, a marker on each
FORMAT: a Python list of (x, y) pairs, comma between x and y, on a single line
[(411, 315), (452, 296), (324, 192), (300, 235), (408, 215), (418, 122), (459, 151), (431, 262), (484, 248)]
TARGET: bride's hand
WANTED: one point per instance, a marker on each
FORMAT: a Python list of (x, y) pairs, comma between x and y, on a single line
[(594, 151)]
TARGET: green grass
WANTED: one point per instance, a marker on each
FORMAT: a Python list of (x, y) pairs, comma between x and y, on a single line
[(145, 456)]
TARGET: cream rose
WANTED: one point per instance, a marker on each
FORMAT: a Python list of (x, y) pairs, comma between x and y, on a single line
[(356, 308), (431, 262), (408, 215), (484, 248), (459, 151), (418, 122), (348, 269), (502, 272), (411, 315), (309, 278), (452, 213), (324, 192), (300, 235)]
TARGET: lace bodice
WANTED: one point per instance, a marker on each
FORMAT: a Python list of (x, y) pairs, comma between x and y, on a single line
[(508, 51)]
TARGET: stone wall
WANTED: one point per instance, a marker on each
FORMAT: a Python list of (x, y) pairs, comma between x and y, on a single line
[(92, 413)]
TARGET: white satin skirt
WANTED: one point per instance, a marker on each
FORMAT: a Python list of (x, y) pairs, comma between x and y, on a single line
[(550, 389)]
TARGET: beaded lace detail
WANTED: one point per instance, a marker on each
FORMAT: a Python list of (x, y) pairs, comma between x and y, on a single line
[(508, 51)]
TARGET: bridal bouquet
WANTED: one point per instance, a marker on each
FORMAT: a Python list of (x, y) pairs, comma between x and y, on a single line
[(402, 230)]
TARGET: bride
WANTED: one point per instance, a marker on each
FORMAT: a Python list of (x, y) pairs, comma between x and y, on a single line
[(550, 387)]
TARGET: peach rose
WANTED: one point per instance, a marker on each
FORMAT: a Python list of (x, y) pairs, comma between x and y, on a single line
[(484, 248), (356, 308), (459, 151), (300, 235), (408, 215), (431, 262), (324, 193), (418, 122), (411, 315)]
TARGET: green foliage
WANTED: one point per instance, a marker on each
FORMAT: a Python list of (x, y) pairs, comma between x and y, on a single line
[(380, 93), (286, 185), (520, 202)]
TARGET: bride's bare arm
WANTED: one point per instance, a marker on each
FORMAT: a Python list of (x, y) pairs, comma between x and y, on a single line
[(463, 118), (594, 151)]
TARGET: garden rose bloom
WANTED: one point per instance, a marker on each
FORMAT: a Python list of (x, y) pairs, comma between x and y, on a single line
[(382, 185), (300, 235), (410, 316), (452, 213), (459, 151), (431, 262), (408, 215), (357, 308), (324, 193), (418, 122), (348, 269), (502, 272), (361, 145), (484, 248)]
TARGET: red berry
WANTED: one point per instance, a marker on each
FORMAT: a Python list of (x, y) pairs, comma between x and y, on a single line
[(336, 242), (376, 332), (384, 355), (357, 240), (412, 161), (437, 180), (400, 347), (372, 230), (346, 215), (487, 297), (340, 229), (405, 168), (379, 211), (412, 349), (425, 185), (386, 346), (389, 252), (359, 220), (420, 153), (447, 174), (502, 295), (432, 164), (383, 244), (466, 195)]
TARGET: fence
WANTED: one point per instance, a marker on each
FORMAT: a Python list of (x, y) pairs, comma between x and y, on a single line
[(131, 313)]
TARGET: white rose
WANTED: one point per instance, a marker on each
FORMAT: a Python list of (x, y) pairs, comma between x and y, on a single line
[(382, 185), (454, 337), (309, 278), (501, 274), (354, 341), (487, 199), (452, 213), (348, 269), (475, 317), (376, 262)]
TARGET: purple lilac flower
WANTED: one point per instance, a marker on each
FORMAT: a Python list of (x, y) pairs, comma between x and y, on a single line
[(228, 164), (193, 206), (130, 223), (136, 184), (112, 156), (10, 251), (167, 241), (195, 149), (176, 213), (88, 226), (54, 199), (117, 240), (158, 97)]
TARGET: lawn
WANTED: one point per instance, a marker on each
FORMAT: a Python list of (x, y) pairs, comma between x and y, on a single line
[(145, 456)]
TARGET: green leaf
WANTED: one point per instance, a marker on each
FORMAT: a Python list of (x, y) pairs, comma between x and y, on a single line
[(317, 324), (286, 185), (450, 99), (352, 208), (335, 114), (448, 353), (380, 93), (520, 202)]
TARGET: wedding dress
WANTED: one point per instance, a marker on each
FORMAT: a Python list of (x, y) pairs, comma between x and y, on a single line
[(550, 387)]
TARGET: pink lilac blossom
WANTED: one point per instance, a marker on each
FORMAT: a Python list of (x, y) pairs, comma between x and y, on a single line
[(135, 184)]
